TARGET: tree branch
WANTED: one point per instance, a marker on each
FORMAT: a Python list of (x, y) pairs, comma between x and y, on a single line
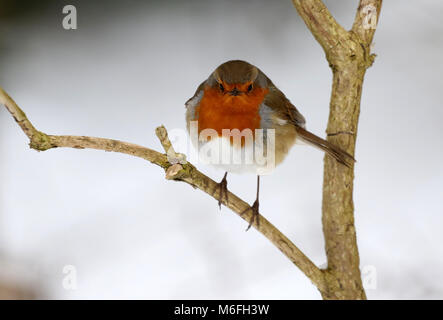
[(325, 29), (179, 171)]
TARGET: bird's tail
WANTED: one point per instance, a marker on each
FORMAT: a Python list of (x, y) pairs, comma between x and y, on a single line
[(338, 154)]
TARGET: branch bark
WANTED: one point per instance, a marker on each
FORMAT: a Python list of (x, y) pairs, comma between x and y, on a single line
[(348, 54), (177, 170)]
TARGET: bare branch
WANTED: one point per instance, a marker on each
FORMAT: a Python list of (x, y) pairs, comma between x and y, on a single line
[(185, 172), (326, 30)]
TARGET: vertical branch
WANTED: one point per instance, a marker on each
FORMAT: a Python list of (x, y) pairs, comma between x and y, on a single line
[(348, 54), (337, 205)]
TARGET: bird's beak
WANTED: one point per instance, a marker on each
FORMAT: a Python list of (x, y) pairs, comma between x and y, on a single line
[(234, 92)]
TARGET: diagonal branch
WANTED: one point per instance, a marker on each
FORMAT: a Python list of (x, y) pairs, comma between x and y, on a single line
[(319, 20), (179, 171)]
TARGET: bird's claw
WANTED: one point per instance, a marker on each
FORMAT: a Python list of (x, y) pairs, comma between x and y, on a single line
[(223, 190), (255, 214)]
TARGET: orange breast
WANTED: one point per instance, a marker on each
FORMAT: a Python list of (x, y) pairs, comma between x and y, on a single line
[(222, 111)]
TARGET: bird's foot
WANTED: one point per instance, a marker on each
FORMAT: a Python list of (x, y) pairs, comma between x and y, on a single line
[(254, 216), (223, 190)]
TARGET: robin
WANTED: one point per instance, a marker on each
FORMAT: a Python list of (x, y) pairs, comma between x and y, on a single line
[(239, 97)]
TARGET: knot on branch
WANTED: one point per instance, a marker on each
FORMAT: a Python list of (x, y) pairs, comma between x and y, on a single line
[(371, 60), (179, 172), (172, 171), (40, 141), (179, 168)]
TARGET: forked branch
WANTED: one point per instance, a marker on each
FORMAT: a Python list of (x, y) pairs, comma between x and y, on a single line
[(349, 55)]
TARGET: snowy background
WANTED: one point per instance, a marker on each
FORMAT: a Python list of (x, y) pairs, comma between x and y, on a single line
[(128, 68)]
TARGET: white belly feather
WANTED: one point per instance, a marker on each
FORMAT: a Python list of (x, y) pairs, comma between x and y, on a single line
[(234, 158)]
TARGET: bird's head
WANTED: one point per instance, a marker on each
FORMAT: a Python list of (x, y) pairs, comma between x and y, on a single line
[(237, 78)]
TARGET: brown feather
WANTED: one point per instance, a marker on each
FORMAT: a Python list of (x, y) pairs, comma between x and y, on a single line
[(284, 109), (340, 155)]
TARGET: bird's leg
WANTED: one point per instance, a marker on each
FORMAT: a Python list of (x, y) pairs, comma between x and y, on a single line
[(223, 189), (254, 208)]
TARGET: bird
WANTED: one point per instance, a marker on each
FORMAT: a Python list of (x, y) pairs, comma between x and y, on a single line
[(238, 97)]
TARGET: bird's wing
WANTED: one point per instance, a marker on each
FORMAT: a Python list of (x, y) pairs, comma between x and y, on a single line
[(193, 102), (196, 94), (283, 108)]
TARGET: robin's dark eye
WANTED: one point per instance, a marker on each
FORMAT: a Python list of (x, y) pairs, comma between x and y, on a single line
[(221, 87), (250, 88)]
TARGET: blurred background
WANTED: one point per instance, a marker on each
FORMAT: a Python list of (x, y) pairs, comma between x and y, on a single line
[(88, 224)]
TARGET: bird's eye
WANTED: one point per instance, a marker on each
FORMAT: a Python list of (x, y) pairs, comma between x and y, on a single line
[(221, 87), (250, 88)]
